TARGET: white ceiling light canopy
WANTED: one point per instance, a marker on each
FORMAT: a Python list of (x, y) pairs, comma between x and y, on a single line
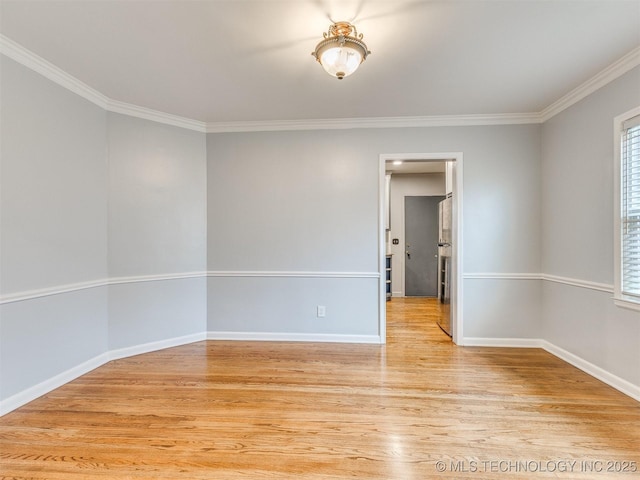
[(342, 50)]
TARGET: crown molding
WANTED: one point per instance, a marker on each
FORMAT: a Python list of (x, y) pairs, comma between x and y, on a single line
[(131, 110), (48, 70), (374, 122), (38, 64), (609, 74)]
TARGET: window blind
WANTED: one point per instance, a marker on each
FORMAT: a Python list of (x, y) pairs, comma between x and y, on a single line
[(630, 153)]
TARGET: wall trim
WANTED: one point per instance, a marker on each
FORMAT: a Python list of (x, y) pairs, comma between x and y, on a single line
[(600, 287), (45, 292), (292, 337), (25, 396), (502, 276), (601, 374), (74, 287), (502, 342), (155, 278), (131, 110), (575, 282), (125, 352), (376, 122), (248, 273), (38, 64), (609, 74), (589, 368), (22, 398), (48, 70)]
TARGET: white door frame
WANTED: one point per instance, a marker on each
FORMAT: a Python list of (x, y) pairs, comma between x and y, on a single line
[(457, 261)]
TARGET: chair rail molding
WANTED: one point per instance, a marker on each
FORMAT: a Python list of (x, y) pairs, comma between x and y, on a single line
[(575, 282), (73, 287), (294, 274)]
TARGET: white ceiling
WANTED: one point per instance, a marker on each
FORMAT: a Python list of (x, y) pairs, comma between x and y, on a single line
[(248, 60)]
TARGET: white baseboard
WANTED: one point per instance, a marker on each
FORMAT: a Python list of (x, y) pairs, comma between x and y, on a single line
[(154, 346), (46, 386), (502, 342), (609, 378), (293, 337)]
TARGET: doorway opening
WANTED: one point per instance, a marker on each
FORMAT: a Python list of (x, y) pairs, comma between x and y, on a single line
[(411, 184)]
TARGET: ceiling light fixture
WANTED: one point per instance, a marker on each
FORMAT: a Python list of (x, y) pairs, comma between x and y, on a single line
[(342, 50)]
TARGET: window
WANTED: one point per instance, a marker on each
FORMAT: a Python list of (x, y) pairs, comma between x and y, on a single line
[(627, 287)]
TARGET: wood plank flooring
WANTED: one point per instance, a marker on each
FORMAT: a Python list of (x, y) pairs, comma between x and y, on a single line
[(417, 408)]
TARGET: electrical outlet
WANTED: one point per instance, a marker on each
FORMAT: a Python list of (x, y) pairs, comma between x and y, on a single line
[(322, 311)]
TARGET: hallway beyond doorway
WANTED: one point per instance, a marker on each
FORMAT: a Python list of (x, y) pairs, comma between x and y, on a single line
[(414, 319)]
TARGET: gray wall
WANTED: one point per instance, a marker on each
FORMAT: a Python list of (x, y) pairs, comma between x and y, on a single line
[(285, 221), (577, 231), (53, 228), (101, 217), (308, 201), (291, 202), (157, 229), (54, 153)]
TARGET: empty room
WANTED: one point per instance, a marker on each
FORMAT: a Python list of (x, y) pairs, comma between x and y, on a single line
[(319, 239)]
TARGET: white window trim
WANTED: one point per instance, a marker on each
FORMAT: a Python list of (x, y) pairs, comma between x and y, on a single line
[(620, 300)]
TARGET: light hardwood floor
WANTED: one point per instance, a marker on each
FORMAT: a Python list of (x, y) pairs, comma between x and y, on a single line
[(417, 408)]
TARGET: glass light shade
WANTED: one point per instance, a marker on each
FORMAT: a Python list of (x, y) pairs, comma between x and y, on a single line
[(342, 50), (341, 61)]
